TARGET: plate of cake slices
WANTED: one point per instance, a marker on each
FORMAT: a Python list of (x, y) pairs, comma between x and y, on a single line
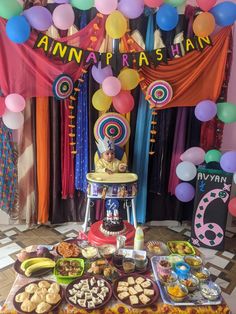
[(41, 296), (136, 291), (89, 292)]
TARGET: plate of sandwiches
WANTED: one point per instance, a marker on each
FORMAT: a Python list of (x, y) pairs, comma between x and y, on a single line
[(135, 290), (89, 292), (38, 297)]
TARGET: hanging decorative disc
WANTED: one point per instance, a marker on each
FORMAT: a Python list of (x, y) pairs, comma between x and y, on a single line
[(62, 86), (112, 125), (159, 93)]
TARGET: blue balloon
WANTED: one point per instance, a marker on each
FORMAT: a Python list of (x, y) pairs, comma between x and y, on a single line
[(167, 17), (18, 29), (224, 13)]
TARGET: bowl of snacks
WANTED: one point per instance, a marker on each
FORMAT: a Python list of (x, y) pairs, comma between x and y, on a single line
[(176, 291), (182, 270), (191, 282), (164, 267), (89, 252), (202, 274), (175, 258), (210, 290), (195, 262), (107, 250), (156, 248), (180, 248), (172, 277), (67, 269)]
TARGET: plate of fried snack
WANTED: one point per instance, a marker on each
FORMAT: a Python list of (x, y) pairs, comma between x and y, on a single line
[(68, 249), (102, 267), (41, 296)]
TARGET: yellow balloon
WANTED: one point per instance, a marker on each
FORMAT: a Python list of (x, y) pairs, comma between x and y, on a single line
[(101, 101), (129, 79), (116, 25)]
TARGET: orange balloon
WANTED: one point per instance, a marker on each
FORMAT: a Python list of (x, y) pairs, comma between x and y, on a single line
[(204, 24)]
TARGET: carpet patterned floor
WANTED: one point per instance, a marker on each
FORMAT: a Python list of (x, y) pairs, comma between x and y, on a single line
[(15, 237)]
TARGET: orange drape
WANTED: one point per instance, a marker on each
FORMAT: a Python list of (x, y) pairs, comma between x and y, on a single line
[(194, 77), (43, 157)]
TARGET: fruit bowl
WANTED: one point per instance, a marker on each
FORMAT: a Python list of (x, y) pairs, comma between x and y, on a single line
[(176, 291), (191, 282)]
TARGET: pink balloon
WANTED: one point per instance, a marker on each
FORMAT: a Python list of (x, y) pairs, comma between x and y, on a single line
[(63, 16), (131, 8), (15, 102), (13, 120), (123, 102), (2, 106), (106, 6), (196, 155), (153, 3), (100, 74), (111, 86), (206, 5), (232, 206)]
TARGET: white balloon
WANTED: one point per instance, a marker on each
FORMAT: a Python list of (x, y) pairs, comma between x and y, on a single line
[(186, 171), (13, 120), (234, 177)]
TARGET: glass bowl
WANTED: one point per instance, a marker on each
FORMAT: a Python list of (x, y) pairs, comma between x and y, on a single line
[(191, 282), (176, 291), (171, 278), (156, 248), (89, 252), (195, 262), (210, 290), (203, 274), (107, 250), (164, 267)]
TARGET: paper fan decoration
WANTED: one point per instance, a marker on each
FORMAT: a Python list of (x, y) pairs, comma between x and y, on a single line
[(159, 93), (63, 86), (112, 125)]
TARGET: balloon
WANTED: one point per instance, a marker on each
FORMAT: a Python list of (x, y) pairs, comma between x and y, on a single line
[(205, 110), (39, 17), (100, 101), (61, 1), (63, 16), (204, 24), (18, 29), (129, 79), (224, 13), (15, 102), (228, 162), (106, 6), (100, 74), (153, 3), (123, 102), (226, 112), (234, 177), (206, 5), (10, 8), (186, 171), (213, 155), (131, 8), (195, 155), (167, 17), (13, 120), (175, 3), (82, 4), (232, 206), (2, 106), (111, 86), (116, 25), (184, 192)]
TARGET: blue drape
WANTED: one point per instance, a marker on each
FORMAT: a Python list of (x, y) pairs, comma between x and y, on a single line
[(82, 131), (142, 137)]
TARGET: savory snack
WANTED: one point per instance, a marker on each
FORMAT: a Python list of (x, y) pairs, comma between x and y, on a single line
[(69, 267), (102, 267), (181, 247), (202, 274), (195, 262), (191, 282), (67, 249), (176, 291)]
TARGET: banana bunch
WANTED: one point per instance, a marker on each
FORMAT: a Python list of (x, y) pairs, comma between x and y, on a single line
[(32, 265)]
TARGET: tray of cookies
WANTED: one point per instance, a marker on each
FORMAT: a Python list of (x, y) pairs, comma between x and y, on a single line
[(41, 296), (136, 291), (89, 292)]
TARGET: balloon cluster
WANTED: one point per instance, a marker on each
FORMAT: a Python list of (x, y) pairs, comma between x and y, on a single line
[(10, 111), (114, 90)]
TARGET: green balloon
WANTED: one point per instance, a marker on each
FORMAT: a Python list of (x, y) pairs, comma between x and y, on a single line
[(213, 155), (82, 4), (10, 8), (226, 112), (175, 3)]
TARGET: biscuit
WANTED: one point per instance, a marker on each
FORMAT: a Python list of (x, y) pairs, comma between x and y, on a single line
[(146, 284), (138, 288), (132, 291), (131, 281), (133, 300), (123, 283), (144, 299), (139, 280), (148, 292), (123, 295)]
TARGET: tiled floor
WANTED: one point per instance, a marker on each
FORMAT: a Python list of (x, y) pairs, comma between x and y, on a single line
[(13, 238)]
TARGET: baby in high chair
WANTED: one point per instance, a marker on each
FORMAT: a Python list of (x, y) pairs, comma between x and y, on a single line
[(107, 162)]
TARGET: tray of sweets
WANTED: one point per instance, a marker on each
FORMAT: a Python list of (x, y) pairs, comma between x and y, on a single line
[(194, 298)]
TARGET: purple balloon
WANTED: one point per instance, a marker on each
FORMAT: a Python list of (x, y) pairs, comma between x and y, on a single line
[(205, 110), (38, 17), (61, 1), (228, 162), (184, 192), (132, 8), (100, 74)]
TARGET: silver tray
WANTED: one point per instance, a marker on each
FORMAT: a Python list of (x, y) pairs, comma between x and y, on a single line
[(193, 299)]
